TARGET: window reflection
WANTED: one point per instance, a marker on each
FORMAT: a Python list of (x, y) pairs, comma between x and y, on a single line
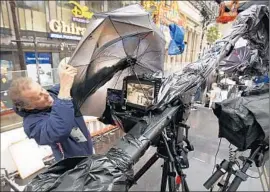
[(95, 6), (114, 5), (32, 15), (4, 16)]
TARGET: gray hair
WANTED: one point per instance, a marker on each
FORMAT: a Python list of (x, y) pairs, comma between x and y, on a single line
[(15, 91)]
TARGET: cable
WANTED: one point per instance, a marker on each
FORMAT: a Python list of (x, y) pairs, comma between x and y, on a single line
[(216, 155), (252, 177), (211, 189)]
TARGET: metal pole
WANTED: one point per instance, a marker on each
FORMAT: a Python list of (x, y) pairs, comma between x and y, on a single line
[(203, 28), (36, 55), (17, 35)]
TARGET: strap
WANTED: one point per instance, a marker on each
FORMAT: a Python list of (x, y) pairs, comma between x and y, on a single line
[(61, 149)]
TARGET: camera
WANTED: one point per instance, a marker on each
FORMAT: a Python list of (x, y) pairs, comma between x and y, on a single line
[(130, 105)]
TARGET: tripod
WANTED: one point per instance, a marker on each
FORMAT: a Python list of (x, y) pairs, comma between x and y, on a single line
[(175, 160), (257, 155)]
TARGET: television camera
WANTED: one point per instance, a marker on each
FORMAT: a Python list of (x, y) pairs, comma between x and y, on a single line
[(134, 105), (251, 134)]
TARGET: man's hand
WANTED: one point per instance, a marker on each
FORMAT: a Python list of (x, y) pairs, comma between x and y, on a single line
[(66, 75)]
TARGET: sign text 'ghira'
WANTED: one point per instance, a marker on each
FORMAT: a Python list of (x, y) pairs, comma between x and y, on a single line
[(61, 27)]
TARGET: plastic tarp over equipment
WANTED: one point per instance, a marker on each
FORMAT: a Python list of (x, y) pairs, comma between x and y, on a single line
[(244, 121), (97, 173), (253, 57)]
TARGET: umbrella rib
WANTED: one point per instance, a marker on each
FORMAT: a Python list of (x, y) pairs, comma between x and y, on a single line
[(106, 56), (118, 34), (118, 78), (145, 51), (116, 40), (149, 52), (139, 83), (139, 38), (140, 42), (97, 62), (140, 64), (134, 25)]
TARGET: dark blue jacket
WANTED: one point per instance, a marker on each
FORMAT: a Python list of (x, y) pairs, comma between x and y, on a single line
[(57, 125)]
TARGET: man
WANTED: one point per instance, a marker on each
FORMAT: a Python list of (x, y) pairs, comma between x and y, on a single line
[(49, 116), (215, 95)]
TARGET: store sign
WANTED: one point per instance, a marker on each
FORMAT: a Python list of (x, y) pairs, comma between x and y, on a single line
[(43, 58), (61, 27), (61, 30), (81, 13), (45, 67), (62, 36)]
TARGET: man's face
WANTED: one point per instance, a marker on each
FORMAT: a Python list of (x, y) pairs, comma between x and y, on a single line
[(37, 97)]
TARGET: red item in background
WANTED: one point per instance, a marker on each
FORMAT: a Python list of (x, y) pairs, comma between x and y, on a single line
[(178, 180)]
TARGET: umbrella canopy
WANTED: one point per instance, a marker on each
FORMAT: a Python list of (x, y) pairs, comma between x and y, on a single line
[(117, 43)]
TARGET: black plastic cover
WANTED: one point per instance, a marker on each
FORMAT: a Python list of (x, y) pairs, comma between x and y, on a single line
[(244, 121)]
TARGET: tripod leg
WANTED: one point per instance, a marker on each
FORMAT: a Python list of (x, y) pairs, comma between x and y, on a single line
[(171, 178), (165, 171), (185, 185), (145, 168), (263, 178)]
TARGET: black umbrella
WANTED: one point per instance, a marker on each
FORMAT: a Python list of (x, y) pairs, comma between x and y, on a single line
[(115, 44)]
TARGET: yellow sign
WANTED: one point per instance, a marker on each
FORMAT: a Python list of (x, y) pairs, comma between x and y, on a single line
[(81, 11)]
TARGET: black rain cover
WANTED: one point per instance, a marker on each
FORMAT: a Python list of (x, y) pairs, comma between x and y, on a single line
[(244, 121), (95, 173)]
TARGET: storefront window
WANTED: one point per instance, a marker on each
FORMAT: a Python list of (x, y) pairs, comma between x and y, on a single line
[(95, 6), (4, 16), (34, 5), (112, 5), (126, 3), (22, 18), (32, 15), (63, 11)]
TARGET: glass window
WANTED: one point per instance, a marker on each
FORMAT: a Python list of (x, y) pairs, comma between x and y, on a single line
[(32, 15), (4, 14), (112, 5), (33, 5), (126, 3), (22, 19), (64, 11), (95, 6)]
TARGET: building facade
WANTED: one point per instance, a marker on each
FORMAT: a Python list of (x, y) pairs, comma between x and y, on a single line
[(187, 15), (58, 26)]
